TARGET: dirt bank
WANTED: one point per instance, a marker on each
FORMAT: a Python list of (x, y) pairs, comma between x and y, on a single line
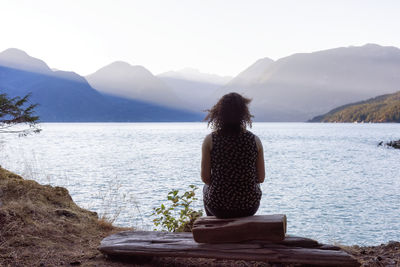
[(40, 225)]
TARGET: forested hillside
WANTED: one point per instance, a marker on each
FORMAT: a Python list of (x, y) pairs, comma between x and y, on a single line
[(384, 108)]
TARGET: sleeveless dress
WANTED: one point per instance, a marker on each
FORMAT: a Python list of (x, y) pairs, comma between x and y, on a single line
[(234, 190)]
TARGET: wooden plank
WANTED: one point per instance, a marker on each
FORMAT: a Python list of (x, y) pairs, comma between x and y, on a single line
[(259, 227), (163, 244)]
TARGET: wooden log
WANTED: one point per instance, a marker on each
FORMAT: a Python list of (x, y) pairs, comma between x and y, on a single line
[(163, 244), (259, 227)]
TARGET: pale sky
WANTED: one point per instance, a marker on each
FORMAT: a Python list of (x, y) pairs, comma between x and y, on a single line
[(214, 36)]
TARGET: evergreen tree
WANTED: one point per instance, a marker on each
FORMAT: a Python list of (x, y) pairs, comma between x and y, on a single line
[(17, 111)]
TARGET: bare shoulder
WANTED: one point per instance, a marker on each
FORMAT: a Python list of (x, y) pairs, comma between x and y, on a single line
[(258, 142), (208, 138), (207, 143)]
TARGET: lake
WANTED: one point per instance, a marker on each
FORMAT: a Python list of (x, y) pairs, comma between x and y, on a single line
[(331, 180)]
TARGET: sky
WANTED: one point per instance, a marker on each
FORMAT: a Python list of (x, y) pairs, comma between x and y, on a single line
[(214, 36)]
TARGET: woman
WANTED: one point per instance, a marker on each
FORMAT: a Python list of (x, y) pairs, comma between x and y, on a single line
[(232, 164)]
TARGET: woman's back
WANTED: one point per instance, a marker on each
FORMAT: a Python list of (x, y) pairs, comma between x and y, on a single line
[(234, 183)]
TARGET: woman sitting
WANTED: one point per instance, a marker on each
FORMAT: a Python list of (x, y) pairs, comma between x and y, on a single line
[(232, 164)]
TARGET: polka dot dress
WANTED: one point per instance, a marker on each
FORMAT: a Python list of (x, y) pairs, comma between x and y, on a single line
[(234, 183)]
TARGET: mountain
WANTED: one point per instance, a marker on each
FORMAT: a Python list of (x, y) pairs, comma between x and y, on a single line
[(193, 87), (66, 96), (191, 74), (301, 86), (250, 76), (133, 82), (18, 59), (384, 108)]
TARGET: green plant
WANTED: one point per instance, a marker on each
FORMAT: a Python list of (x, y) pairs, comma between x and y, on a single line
[(14, 111), (178, 216)]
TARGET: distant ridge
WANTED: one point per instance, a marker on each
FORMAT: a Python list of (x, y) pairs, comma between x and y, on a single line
[(18, 59), (193, 87), (304, 85), (68, 97), (124, 80), (251, 75), (384, 108), (191, 74)]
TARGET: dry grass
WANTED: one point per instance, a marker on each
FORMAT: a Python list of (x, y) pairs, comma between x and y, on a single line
[(40, 225), (105, 224)]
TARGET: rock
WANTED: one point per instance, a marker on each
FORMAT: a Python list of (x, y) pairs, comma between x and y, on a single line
[(66, 213), (394, 144), (259, 227)]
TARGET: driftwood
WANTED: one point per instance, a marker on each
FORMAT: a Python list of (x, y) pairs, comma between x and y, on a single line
[(295, 250), (261, 227)]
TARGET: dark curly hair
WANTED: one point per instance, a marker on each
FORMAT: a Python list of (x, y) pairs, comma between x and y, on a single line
[(230, 115)]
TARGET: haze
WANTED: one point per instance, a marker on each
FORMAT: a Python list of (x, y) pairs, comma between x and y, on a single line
[(221, 37)]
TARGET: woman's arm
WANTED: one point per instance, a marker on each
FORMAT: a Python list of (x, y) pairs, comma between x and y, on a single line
[(206, 160), (260, 161)]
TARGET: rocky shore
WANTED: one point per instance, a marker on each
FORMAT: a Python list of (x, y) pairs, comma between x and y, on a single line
[(394, 144), (382, 255), (40, 225)]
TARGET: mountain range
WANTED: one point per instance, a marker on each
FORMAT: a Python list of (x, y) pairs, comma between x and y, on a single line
[(302, 86), (293, 88), (67, 97)]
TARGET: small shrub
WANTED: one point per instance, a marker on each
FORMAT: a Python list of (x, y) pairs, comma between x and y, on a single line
[(105, 224), (178, 216)]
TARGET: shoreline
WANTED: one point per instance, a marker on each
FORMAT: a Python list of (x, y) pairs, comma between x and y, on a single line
[(42, 226)]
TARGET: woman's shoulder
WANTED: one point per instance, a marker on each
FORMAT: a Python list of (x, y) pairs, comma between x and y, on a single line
[(258, 142), (208, 138), (207, 142)]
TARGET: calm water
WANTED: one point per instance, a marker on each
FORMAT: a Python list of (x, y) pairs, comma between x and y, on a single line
[(332, 180)]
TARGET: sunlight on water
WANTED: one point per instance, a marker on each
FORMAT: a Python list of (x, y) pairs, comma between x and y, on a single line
[(332, 180)]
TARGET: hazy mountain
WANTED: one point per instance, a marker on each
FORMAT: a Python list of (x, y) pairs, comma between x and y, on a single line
[(191, 74), (18, 59), (134, 82), (251, 75), (301, 86), (66, 96), (194, 87), (384, 108)]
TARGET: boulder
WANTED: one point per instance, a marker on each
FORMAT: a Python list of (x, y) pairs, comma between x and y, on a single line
[(394, 144), (259, 227)]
